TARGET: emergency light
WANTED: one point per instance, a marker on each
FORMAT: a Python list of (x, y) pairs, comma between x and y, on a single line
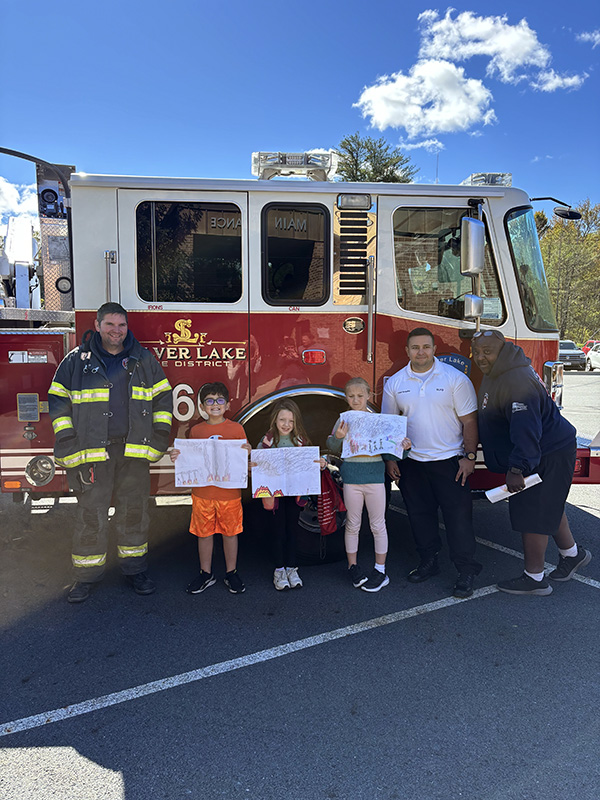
[(316, 166)]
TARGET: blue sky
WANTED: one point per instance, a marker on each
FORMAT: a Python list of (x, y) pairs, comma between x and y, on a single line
[(193, 88)]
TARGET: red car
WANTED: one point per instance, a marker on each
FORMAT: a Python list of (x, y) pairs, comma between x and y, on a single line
[(589, 344)]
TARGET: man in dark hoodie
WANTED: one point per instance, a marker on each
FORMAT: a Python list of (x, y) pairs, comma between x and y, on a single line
[(522, 432), (111, 410)]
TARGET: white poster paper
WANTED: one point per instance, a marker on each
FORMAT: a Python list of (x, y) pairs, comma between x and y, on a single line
[(373, 434), (502, 493), (211, 462), (286, 472)]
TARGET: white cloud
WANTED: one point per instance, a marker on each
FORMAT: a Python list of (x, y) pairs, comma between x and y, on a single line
[(590, 36), (550, 81), (435, 97), (510, 48), (18, 200), (431, 145), (537, 159)]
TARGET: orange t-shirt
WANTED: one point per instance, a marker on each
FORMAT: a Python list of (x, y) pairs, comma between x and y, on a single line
[(228, 429)]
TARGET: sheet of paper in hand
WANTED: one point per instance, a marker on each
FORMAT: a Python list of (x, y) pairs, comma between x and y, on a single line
[(373, 434), (211, 462), (286, 471)]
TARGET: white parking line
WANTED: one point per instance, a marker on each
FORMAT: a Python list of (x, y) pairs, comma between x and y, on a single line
[(68, 712)]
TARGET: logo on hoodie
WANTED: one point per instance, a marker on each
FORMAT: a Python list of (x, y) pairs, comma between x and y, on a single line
[(519, 407), (124, 362), (484, 402)]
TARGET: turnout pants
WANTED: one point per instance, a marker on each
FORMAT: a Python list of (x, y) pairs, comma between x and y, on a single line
[(427, 486), (124, 483)]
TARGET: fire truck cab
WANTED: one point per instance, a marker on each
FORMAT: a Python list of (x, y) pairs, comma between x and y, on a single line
[(289, 288)]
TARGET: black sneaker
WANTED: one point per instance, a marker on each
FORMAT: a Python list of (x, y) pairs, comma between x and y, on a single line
[(524, 584), (425, 570), (141, 583), (357, 576), (202, 582), (376, 581), (464, 585), (568, 565), (79, 592), (233, 582)]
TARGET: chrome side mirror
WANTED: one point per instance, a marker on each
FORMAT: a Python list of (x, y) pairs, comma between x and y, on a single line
[(472, 246)]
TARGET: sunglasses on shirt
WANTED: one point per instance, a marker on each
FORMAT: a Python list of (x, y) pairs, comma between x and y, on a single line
[(210, 401)]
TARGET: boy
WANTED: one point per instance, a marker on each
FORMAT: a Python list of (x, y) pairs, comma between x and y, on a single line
[(214, 509)]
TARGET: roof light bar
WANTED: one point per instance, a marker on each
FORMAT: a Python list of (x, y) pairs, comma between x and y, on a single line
[(316, 166)]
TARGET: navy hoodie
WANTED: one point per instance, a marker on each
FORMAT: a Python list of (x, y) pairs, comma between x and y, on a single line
[(518, 420)]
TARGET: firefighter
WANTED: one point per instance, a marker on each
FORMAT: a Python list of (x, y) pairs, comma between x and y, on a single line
[(111, 410)]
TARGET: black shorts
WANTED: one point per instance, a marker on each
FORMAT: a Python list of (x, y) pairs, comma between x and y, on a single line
[(540, 509)]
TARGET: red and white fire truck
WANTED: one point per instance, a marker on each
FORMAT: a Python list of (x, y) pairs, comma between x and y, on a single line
[(275, 287)]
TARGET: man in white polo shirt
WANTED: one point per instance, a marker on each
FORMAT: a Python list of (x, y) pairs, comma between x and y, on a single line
[(441, 406)]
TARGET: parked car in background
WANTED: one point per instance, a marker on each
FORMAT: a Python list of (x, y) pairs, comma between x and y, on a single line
[(571, 356), (589, 344), (592, 358)]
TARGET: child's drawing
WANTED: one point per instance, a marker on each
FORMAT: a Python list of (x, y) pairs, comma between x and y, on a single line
[(373, 434), (211, 462), (286, 471)]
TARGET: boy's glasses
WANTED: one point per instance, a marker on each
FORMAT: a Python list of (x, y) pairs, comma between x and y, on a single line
[(210, 401)]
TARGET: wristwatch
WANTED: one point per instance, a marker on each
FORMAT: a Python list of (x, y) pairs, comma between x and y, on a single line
[(515, 470), (470, 456)]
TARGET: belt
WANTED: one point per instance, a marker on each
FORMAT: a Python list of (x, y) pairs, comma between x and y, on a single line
[(118, 440)]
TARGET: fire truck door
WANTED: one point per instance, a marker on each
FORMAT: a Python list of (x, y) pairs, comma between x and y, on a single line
[(420, 283), (184, 275), (309, 320)]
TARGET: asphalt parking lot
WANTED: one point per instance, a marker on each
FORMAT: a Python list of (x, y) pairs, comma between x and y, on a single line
[(326, 692)]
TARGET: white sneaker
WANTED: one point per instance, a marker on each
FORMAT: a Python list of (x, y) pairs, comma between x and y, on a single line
[(294, 579), (280, 580)]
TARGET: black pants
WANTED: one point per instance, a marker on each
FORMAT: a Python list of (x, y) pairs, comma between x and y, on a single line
[(124, 483), (284, 521), (427, 486)]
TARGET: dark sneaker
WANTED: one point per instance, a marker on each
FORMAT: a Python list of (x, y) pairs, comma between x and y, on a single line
[(376, 581), (233, 582), (202, 582), (464, 585), (141, 583), (357, 576), (79, 592), (525, 585), (569, 565), (425, 570)]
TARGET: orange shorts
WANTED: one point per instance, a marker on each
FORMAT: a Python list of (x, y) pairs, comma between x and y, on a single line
[(216, 516)]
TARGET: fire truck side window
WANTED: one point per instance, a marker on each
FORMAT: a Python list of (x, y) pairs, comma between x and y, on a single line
[(427, 258), (189, 252), (295, 254)]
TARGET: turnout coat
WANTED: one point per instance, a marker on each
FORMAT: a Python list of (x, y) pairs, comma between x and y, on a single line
[(78, 402)]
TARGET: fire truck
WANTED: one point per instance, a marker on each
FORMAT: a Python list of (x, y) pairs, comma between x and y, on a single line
[(277, 286)]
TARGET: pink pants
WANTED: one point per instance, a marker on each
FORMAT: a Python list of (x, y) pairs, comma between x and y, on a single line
[(373, 496)]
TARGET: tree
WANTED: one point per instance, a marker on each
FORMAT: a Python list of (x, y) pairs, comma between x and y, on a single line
[(541, 222), (368, 160), (571, 252)]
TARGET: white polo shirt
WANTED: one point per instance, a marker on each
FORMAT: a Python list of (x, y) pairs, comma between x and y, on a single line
[(433, 402)]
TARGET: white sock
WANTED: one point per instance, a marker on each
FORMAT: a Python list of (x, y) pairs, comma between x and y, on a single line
[(537, 576), (380, 568), (572, 551)]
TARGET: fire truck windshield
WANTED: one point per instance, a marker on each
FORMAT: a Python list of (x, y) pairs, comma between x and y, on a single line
[(529, 268)]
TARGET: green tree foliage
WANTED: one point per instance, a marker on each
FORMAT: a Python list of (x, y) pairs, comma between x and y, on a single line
[(541, 222), (571, 252), (368, 160)]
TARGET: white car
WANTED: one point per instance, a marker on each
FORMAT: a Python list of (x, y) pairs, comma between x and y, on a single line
[(592, 358)]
